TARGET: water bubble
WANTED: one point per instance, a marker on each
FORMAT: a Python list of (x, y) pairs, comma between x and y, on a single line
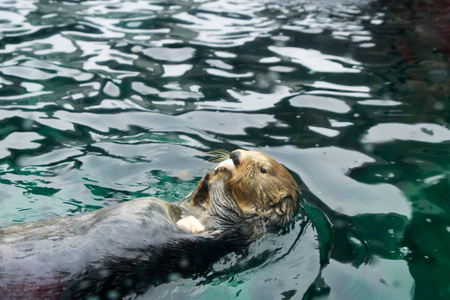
[(405, 251), (340, 224), (356, 242), (173, 276), (84, 284), (27, 124), (376, 22), (128, 283), (439, 105), (367, 45), (113, 295), (369, 147), (105, 273), (184, 174), (184, 263)]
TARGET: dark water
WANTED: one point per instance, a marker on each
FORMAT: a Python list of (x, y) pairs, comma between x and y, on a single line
[(105, 101)]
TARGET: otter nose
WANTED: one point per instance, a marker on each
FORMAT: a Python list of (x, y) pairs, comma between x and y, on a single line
[(235, 158)]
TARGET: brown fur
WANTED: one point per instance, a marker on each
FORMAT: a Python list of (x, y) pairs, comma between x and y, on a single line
[(273, 195), (260, 188)]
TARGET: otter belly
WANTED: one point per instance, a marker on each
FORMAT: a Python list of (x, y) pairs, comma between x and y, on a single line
[(126, 247)]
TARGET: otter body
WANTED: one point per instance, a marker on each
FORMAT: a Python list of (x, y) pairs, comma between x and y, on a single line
[(126, 248), (122, 248), (48, 259)]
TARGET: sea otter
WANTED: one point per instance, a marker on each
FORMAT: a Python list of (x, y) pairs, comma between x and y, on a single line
[(124, 249)]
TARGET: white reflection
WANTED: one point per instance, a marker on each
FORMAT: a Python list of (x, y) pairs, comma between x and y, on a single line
[(143, 89), (216, 63), (324, 131), (225, 74), (379, 102), (227, 23), (322, 103), (176, 70), (181, 95), (98, 53), (387, 279), (53, 44), (339, 87), (19, 140), (224, 54), (269, 60), (26, 73), (111, 90), (424, 132), (170, 54), (315, 60), (31, 86)]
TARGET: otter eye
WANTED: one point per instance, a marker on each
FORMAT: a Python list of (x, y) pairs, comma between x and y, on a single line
[(262, 170)]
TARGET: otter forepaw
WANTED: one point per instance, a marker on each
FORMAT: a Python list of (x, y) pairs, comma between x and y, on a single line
[(192, 224), (222, 173)]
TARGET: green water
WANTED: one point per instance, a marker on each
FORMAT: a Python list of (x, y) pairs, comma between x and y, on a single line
[(105, 101)]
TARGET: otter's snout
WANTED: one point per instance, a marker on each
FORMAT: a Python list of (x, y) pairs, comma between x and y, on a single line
[(232, 162), (235, 155)]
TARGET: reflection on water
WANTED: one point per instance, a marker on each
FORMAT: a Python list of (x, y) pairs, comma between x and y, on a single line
[(102, 102)]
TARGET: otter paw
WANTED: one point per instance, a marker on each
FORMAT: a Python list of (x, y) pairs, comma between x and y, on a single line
[(192, 224), (222, 173)]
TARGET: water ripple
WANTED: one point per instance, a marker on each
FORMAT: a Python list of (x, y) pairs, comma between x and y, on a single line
[(105, 101)]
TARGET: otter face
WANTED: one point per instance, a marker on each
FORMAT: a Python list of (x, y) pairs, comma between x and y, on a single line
[(261, 186), (248, 192)]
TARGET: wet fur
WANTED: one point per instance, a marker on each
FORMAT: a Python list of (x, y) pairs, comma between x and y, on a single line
[(272, 195), (264, 200), (131, 246)]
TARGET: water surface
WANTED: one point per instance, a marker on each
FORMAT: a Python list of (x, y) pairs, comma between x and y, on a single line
[(105, 101)]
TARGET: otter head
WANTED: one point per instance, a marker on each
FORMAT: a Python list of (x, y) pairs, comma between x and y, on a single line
[(261, 186), (247, 193)]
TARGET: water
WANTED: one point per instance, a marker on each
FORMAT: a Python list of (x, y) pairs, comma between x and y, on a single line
[(106, 101)]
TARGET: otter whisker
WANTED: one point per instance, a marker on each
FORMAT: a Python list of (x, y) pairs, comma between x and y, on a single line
[(219, 155)]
